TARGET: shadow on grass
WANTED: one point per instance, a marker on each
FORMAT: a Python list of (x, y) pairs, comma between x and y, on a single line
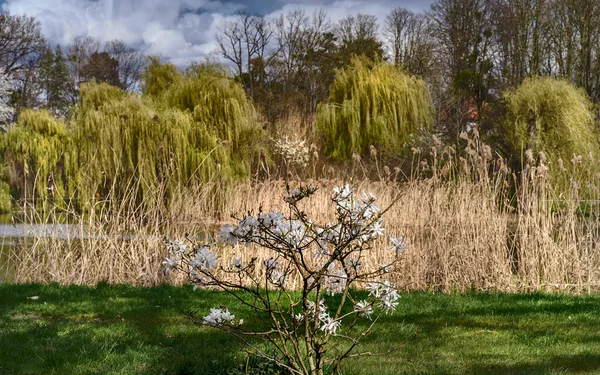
[(126, 330), (493, 334), (110, 329), (572, 364)]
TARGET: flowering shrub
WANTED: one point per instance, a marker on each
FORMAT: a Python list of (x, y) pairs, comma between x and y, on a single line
[(6, 112), (324, 259), (293, 152)]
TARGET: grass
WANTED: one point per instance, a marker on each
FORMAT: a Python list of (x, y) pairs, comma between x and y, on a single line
[(132, 330)]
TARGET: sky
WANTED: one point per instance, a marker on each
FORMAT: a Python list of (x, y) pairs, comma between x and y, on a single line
[(181, 31)]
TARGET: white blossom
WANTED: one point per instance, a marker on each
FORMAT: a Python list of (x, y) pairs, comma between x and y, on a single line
[(336, 282), (204, 259), (398, 245), (237, 262), (227, 234), (386, 295), (274, 272), (377, 229), (330, 325), (176, 246), (341, 193), (247, 226), (364, 308), (218, 317), (6, 112), (170, 263)]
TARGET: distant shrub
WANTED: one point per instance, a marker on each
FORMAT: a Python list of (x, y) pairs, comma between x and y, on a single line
[(373, 104), (553, 117)]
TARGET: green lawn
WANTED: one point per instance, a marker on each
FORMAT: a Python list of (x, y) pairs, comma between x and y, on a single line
[(128, 330)]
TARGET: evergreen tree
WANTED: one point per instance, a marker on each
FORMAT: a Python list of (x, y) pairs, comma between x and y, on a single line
[(56, 81)]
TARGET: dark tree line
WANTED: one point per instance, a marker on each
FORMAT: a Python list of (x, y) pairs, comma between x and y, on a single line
[(469, 51), (42, 76)]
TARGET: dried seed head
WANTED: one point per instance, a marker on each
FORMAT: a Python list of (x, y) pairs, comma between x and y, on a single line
[(373, 151), (386, 170), (542, 156), (529, 156), (561, 165), (487, 152), (436, 141)]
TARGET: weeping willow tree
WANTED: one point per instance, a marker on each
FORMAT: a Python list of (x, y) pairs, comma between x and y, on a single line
[(213, 99), (374, 104), (196, 129), (553, 117), (158, 76), (34, 150)]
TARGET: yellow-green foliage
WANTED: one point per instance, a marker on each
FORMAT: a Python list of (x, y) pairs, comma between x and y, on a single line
[(5, 198), (373, 104), (33, 149), (219, 103), (122, 143), (563, 117), (158, 76)]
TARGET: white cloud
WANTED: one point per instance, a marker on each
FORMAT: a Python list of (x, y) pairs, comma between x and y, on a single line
[(180, 30)]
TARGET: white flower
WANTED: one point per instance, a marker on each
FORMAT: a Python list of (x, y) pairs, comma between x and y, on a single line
[(336, 282), (271, 219), (247, 226), (330, 325), (342, 193), (377, 229), (227, 234), (364, 308), (204, 259), (398, 245), (374, 289), (218, 317), (170, 263), (274, 272), (371, 211), (236, 262), (389, 297), (176, 246), (387, 268)]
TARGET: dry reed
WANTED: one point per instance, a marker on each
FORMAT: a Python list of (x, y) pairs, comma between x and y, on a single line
[(469, 225)]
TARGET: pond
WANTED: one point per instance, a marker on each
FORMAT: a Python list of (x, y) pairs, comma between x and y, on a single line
[(12, 233)]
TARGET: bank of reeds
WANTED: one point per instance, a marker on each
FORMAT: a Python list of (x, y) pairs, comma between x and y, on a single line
[(470, 224)]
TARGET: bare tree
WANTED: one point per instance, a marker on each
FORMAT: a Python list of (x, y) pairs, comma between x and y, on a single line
[(576, 28), (78, 55), (463, 33), (244, 41), (409, 42), (131, 63), (21, 42)]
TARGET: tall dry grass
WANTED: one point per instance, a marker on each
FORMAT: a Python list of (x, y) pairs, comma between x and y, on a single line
[(470, 224)]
